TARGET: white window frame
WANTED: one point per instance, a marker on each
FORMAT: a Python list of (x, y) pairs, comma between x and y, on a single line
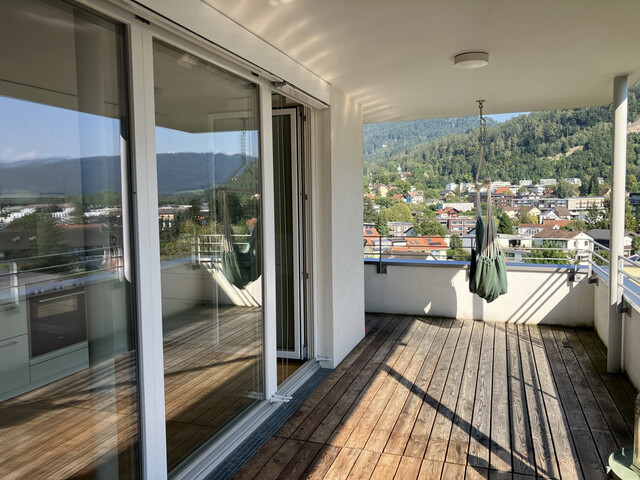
[(142, 27)]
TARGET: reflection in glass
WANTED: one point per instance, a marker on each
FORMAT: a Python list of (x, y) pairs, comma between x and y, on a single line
[(68, 394), (209, 222)]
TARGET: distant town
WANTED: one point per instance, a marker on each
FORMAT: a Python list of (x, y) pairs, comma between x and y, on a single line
[(538, 222)]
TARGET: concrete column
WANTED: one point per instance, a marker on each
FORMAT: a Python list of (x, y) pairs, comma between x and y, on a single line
[(618, 179)]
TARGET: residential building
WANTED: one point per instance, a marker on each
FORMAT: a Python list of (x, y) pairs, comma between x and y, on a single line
[(414, 197), (575, 241), (580, 204), (512, 212), (603, 236), (399, 229), (459, 206), (459, 225), (447, 212), (528, 229), (547, 182)]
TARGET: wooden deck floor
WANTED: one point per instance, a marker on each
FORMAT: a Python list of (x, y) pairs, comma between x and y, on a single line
[(436, 398)]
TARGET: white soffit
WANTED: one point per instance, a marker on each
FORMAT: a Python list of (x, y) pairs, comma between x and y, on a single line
[(395, 57)]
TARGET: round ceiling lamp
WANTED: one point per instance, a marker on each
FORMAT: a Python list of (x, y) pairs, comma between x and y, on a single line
[(471, 60)]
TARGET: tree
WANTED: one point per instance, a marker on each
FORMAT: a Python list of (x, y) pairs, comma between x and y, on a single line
[(564, 189), (595, 218), (46, 243), (368, 213), (383, 201), (455, 251), (549, 252), (381, 223), (576, 225), (505, 225), (428, 228), (594, 186), (399, 212)]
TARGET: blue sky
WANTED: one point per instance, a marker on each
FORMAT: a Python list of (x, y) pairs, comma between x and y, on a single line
[(503, 117), (31, 130)]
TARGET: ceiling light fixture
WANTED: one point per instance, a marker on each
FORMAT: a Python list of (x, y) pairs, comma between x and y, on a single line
[(471, 60)]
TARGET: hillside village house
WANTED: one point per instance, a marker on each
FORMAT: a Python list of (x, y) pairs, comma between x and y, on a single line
[(172, 357)]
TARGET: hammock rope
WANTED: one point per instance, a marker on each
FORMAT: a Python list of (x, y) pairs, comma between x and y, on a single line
[(487, 271)]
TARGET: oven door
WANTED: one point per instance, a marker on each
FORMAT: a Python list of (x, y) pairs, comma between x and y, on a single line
[(56, 320)]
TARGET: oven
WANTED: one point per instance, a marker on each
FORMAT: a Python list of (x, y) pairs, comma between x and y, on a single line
[(57, 320)]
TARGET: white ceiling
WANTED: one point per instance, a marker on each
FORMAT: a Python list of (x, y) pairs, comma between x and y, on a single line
[(395, 57)]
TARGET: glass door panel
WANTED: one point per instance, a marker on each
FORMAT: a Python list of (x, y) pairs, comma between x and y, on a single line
[(211, 253), (68, 373), (285, 172)]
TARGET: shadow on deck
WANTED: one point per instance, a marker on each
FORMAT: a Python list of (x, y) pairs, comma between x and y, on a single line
[(437, 398)]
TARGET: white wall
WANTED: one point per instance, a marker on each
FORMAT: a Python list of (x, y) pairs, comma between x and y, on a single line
[(601, 310), (184, 287), (339, 266), (536, 295), (631, 351)]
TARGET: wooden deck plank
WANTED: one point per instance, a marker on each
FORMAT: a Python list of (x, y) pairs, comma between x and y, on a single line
[(385, 354), (418, 398), (615, 384), (343, 463), (624, 381), (584, 443), (250, 469), (409, 468), (604, 440), (394, 367), (446, 415), (461, 430), (480, 434), (301, 461), (560, 432), (352, 364), (402, 429), (521, 441), (500, 419), (364, 466), (543, 447), (275, 466), (430, 470), (383, 428), (322, 463), (419, 438), (617, 424), (386, 467)]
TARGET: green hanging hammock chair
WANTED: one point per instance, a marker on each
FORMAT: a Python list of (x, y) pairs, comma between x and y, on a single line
[(487, 271), (240, 263)]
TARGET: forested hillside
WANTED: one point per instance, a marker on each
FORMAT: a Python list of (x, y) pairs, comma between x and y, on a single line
[(553, 144), (382, 141)]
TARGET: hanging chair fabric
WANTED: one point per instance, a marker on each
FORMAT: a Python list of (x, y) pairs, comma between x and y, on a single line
[(240, 264), (487, 271)]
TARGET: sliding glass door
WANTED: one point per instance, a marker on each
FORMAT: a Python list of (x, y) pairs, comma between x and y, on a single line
[(210, 245), (68, 360)]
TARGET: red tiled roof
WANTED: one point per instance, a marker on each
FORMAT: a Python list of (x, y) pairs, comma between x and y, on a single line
[(371, 232), (555, 223), (562, 234)]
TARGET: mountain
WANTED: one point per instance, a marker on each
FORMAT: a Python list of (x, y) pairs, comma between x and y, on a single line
[(551, 144), (177, 172), (382, 141)]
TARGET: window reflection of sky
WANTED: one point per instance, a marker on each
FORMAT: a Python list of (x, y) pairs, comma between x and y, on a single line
[(30, 130)]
